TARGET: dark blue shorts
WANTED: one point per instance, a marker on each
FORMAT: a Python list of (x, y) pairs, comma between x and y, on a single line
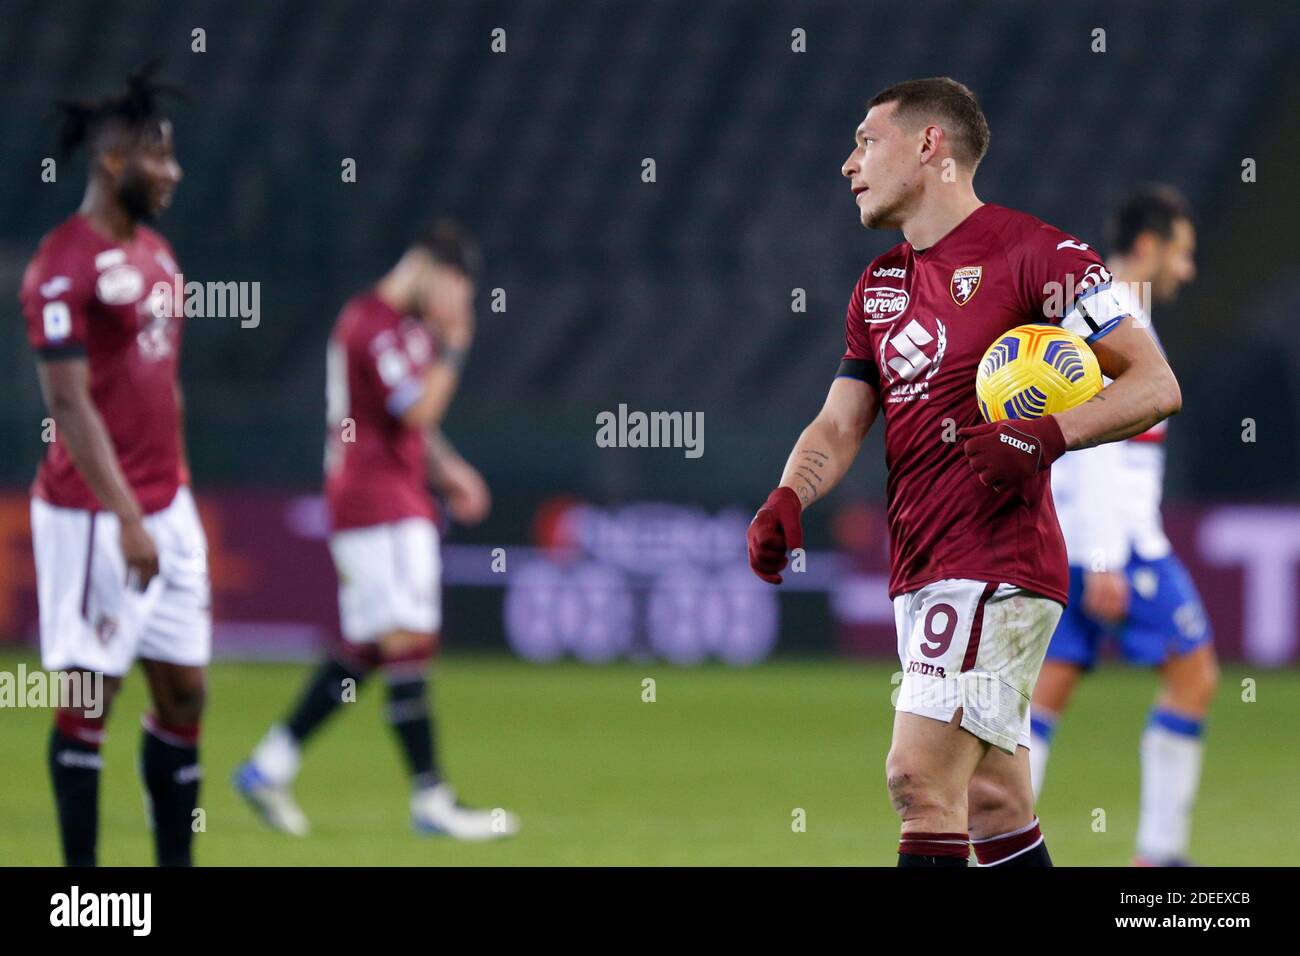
[(1165, 618)]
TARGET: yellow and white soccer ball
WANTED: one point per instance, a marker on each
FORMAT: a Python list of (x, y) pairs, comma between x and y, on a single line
[(1035, 370)]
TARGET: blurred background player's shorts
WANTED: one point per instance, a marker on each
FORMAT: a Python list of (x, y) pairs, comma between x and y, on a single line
[(389, 579), (977, 646), (91, 619), (1165, 618)]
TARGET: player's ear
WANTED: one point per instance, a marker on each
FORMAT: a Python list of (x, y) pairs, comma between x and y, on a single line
[(931, 140), (112, 162), (1146, 245)]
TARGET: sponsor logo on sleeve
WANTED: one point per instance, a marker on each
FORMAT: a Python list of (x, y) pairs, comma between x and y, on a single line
[(1094, 277)]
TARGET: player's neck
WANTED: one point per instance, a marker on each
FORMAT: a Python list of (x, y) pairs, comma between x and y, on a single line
[(940, 215), (1124, 270), (105, 215), (394, 290)]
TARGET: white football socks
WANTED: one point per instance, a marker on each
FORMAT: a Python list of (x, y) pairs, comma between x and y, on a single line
[(1171, 751), (1042, 725)]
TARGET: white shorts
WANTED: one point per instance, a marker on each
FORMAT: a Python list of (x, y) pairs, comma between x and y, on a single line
[(389, 579), (976, 646), (91, 619)]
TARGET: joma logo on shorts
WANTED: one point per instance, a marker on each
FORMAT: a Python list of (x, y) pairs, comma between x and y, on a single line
[(921, 667), (1024, 446)]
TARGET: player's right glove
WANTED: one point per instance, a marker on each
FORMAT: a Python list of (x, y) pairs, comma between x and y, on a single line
[(1004, 454), (774, 531)]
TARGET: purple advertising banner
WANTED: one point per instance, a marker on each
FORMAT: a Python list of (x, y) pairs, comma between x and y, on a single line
[(654, 579), (1244, 560)]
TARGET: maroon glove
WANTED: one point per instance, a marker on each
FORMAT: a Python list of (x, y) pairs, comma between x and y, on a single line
[(1004, 454), (775, 530)]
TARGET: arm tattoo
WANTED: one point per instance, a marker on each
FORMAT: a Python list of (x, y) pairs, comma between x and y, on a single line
[(814, 460), (812, 474), (807, 494), (811, 463)]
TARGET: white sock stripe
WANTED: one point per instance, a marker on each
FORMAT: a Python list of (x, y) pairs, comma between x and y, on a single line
[(1010, 833), (79, 758), (153, 728), (1037, 842)]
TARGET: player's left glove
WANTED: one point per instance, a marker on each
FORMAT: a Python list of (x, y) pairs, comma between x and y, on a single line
[(774, 531), (1006, 453)]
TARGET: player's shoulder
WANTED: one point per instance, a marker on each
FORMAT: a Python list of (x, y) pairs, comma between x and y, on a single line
[(1023, 231), (70, 241), (890, 264), (364, 316), (1011, 224), (63, 257), (155, 240)]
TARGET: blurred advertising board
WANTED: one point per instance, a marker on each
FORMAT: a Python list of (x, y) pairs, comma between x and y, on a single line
[(652, 580)]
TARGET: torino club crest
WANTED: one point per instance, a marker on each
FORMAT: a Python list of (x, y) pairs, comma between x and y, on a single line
[(964, 283)]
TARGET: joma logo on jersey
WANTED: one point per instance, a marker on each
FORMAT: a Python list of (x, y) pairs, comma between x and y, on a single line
[(964, 283), (883, 302)]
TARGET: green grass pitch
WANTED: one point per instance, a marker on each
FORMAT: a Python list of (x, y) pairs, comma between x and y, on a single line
[(711, 772)]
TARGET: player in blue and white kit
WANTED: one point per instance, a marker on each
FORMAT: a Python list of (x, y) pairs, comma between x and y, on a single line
[(1125, 580)]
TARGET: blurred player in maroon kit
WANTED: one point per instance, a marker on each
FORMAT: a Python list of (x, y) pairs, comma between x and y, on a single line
[(978, 564), (121, 559), (393, 365)]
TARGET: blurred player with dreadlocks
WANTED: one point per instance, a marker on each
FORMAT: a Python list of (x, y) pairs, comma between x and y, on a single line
[(121, 558), (392, 367)]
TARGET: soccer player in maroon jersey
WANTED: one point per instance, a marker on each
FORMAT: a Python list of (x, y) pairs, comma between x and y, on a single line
[(121, 559), (393, 365), (978, 571)]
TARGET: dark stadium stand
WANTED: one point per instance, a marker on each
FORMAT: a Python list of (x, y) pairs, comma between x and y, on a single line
[(608, 278)]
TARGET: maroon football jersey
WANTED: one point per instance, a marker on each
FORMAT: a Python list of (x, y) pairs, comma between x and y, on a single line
[(918, 324), (84, 295), (375, 468)]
